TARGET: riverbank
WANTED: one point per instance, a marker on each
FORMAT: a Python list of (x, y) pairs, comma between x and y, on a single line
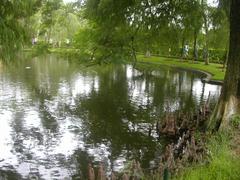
[(214, 72), (223, 159), (220, 160)]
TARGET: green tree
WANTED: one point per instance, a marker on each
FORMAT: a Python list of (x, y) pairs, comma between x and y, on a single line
[(13, 16), (67, 23), (48, 21)]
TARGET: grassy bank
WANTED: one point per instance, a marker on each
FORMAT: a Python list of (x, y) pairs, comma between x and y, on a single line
[(214, 69), (223, 162)]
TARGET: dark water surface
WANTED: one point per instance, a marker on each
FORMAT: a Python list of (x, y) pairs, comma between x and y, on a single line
[(57, 115)]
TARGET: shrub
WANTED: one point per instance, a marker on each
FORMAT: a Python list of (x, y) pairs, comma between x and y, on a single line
[(41, 47)]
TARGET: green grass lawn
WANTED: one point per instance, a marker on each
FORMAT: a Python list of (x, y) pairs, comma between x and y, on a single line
[(214, 69)]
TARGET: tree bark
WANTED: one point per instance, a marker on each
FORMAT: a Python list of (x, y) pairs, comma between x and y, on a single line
[(226, 57), (229, 102)]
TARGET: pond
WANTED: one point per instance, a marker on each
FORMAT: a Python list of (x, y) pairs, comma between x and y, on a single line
[(57, 115)]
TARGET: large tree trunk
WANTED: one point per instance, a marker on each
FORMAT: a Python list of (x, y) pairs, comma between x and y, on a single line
[(229, 102)]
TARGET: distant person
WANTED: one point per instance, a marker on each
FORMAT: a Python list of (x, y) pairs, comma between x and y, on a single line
[(33, 41), (36, 40), (169, 51), (185, 51), (67, 42), (51, 41)]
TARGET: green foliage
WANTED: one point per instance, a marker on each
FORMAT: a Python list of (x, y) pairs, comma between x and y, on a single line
[(217, 55), (41, 48), (222, 163), (56, 23), (47, 14), (103, 45), (219, 34), (85, 38), (147, 25), (13, 17)]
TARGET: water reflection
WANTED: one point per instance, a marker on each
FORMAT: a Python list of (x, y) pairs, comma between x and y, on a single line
[(57, 115)]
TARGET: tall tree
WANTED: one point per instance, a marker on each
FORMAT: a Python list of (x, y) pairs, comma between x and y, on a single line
[(206, 17), (197, 22), (229, 102), (48, 18)]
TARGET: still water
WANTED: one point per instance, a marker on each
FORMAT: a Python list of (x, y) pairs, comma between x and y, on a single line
[(57, 115)]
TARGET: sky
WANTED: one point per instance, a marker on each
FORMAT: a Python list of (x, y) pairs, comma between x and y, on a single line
[(211, 2)]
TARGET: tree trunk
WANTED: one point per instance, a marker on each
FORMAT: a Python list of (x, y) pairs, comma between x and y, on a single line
[(195, 53), (206, 59), (183, 44), (229, 102)]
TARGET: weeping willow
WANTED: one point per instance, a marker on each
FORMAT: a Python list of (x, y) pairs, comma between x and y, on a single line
[(13, 19)]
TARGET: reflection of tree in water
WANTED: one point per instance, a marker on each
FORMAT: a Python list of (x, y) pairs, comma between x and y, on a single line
[(82, 159), (107, 113), (170, 88), (48, 120), (10, 174), (19, 132), (190, 101)]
